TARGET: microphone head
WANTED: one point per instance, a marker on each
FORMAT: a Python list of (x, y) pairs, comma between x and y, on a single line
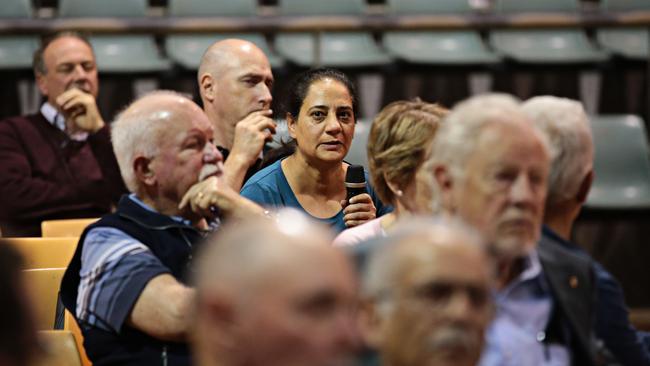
[(355, 174)]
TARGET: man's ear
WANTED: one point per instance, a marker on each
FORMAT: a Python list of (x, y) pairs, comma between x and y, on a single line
[(219, 313), (40, 82), (291, 125), (208, 87), (370, 324), (445, 184), (143, 171), (585, 187)]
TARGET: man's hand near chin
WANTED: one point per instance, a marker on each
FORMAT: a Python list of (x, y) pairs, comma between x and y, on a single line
[(80, 111), (251, 134), (212, 193)]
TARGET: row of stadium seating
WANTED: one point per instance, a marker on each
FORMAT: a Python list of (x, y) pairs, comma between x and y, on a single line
[(139, 53)]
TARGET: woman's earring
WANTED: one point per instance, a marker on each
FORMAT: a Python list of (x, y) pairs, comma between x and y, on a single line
[(399, 193)]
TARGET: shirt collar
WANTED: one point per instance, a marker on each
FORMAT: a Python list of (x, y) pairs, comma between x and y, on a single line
[(179, 219), (529, 279), (52, 115)]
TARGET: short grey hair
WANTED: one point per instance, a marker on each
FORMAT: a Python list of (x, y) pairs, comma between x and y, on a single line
[(565, 124), (38, 62), (380, 273), (136, 132), (461, 129)]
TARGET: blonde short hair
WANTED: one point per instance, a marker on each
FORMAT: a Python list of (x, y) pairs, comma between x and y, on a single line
[(398, 142)]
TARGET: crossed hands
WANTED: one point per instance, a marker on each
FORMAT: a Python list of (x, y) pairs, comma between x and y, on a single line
[(80, 111)]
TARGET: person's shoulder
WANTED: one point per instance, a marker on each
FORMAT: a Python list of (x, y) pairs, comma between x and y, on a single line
[(550, 250), (264, 177), (19, 121)]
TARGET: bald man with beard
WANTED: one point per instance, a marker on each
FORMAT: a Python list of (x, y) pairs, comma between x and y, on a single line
[(235, 82)]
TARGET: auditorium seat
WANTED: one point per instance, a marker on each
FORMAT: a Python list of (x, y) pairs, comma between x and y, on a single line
[(449, 47), (70, 324), (45, 252), (16, 50), (60, 349), (43, 287), (544, 45), (336, 49), (65, 228), (123, 53), (621, 164), (186, 49), (625, 5), (629, 42)]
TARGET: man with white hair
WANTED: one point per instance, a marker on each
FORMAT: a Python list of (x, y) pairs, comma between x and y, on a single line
[(492, 172), (566, 126), (126, 284), (274, 293), (235, 82), (426, 295)]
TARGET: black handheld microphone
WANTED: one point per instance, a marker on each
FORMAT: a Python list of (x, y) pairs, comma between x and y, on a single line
[(355, 181)]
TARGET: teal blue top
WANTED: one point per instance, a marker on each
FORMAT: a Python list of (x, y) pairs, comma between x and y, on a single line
[(270, 188)]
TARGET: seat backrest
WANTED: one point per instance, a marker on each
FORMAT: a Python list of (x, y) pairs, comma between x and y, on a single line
[(321, 7), (43, 286), (521, 6), (16, 9), (65, 228), (45, 252), (102, 8), (621, 162), (212, 7), (429, 6), (624, 5), (60, 348), (70, 324)]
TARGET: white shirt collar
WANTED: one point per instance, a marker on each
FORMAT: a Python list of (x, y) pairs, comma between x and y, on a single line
[(53, 116)]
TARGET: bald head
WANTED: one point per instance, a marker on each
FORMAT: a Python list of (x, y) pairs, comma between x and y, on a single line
[(138, 130), (282, 287), (229, 53), (427, 288), (234, 79), (267, 247)]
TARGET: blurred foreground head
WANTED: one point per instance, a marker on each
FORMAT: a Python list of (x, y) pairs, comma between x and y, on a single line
[(426, 295), (18, 342), (274, 292)]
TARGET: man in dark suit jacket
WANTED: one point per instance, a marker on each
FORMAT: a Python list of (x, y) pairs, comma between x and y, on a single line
[(566, 126), (492, 168), (58, 163)]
